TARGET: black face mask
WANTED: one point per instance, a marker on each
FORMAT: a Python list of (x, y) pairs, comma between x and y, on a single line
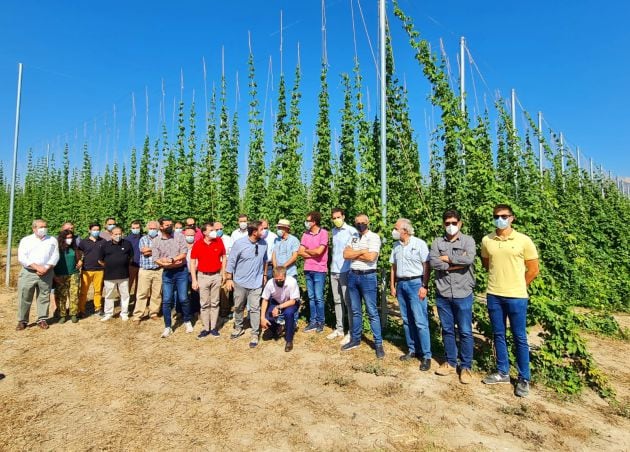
[(279, 283), (169, 230), (361, 227)]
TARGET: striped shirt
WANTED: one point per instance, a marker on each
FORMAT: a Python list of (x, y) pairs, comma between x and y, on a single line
[(147, 262)]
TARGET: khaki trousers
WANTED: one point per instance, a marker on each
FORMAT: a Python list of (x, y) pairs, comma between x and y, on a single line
[(149, 291), (209, 298)]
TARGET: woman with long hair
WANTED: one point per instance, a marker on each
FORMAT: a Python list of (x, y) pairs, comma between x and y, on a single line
[(67, 276)]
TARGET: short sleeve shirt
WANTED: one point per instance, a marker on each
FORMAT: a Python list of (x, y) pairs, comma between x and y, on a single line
[(341, 237), (117, 257), (91, 253), (209, 255), (506, 272), (169, 247), (409, 258), (289, 291), (284, 249), (311, 241), (369, 241)]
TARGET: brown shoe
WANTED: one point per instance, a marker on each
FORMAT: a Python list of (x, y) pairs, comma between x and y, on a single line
[(154, 317), (21, 325), (288, 347), (465, 376), (42, 324), (445, 369)]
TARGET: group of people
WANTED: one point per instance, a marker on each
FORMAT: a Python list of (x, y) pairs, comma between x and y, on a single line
[(200, 269)]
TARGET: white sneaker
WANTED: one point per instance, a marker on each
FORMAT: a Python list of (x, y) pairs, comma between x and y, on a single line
[(335, 334), (167, 332), (189, 327), (124, 317), (346, 339), (106, 317)]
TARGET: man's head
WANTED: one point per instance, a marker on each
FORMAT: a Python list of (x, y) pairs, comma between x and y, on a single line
[(40, 228), (189, 234), (254, 230), (279, 275), (218, 226), (178, 226), (190, 221), (209, 230), (242, 222), (67, 226), (338, 217), (136, 227), (116, 234), (362, 223), (403, 229), (313, 219), (503, 216), (166, 225), (283, 228), (110, 223), (152, 228), (265, 225), (95, 229), (452, 221)]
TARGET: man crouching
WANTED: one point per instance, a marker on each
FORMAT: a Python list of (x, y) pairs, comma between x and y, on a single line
[(280, 301)]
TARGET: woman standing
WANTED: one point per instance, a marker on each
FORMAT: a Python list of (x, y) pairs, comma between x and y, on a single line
[(67, 276)]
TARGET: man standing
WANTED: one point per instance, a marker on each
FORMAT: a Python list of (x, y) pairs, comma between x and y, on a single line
[(271, 238), (169, 252), (38, 253), (339, 267), (241, 232), (280, 296), (149, 277), (110, 223), (227, 298), (408, 279), (207, 269), (452, 257), (511, 259), (115, 257), (91, 270), (314, 250), (363, 250), (192, 223), (134, 237), (246, 274), (285, 251), (195, 307)]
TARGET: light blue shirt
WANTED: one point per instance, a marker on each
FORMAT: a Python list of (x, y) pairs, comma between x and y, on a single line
[(341, 237), (245, 264), (284, 249), (409, 258)]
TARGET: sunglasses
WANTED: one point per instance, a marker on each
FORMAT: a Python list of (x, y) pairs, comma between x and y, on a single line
[(505, 217), (450, 223), (256, 250)]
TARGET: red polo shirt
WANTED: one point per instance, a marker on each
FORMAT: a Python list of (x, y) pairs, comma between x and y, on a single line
[(208, 255)]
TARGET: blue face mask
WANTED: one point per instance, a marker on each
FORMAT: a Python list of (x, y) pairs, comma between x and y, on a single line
[(501, 223), (153, 232), (219, 232), (95, 234)]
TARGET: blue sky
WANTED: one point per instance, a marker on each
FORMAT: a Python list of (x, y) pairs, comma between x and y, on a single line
[(83, 61)]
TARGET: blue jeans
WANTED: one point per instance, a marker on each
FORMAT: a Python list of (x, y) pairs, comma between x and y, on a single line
[(515, 309), (457, 312), (415, 316), (364, 287), (288, 313), (175, 279), (315, 283)]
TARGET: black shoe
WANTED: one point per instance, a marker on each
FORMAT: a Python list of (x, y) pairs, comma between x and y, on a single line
[(407, 356), (522, 388), (380, 353), (288, 346), (425, 364), (350, 345)]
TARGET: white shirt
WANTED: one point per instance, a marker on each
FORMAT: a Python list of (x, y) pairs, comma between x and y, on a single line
[(271, 241), (289, 291), (33, 250), (409, 258), (238, 234), (369, 241), (341, 237), (227, 243)]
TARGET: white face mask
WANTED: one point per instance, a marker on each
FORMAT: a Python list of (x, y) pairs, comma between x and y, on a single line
[(190, 239), (308, 224), (42, 232), (243, 225), (116, 238), (69, 241), (212, 234), (395, 235), (280, 233), (452, 229)]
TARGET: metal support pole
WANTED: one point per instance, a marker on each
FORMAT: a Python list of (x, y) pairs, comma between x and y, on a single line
[(14, 173), (462, 75), (540, 143), (383, 142), (562, 153), (514, 109)]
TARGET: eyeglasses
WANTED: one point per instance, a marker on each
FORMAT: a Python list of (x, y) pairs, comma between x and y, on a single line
[(450, 223), (505, 217)]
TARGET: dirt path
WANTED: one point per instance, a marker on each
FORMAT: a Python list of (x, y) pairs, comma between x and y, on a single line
[(95, 386)]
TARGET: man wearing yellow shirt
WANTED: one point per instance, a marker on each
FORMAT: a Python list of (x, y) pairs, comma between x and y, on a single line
[(512, 263)]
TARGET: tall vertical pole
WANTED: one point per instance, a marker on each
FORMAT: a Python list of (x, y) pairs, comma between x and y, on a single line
[(591, 169), (462, 75), (562, 153), (579, 165), (514, 109), (540, 143), (14, 173), (383, 147)]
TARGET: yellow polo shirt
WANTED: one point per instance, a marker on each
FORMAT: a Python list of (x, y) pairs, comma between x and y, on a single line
[(506, 272)]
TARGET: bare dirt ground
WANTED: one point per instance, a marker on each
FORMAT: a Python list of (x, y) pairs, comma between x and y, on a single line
[(116, 386)]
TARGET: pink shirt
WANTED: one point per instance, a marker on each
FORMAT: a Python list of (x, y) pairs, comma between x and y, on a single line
[(311, 241)]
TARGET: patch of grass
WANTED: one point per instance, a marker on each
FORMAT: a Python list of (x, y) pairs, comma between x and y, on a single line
[(520, 410), (338, 379), (373, 368), (391, 389)]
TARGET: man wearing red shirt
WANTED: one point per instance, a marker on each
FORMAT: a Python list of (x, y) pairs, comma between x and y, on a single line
[(207, 269)]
